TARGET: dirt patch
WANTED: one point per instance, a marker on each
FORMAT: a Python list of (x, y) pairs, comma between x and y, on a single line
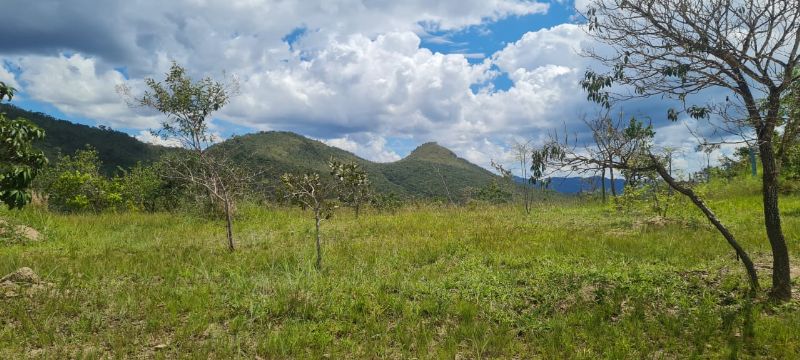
[(23, 275), (18, 232), (23, 282)]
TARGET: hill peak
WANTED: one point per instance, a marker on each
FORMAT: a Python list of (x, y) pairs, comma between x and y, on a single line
[(432, 151)]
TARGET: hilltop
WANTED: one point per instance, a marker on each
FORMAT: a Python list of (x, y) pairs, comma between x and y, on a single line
[(430, 170)]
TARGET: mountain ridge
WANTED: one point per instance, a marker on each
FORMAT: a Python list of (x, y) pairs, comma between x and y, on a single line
[(430, 170)]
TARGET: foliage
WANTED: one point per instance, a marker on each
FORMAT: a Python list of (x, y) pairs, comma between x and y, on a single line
[(309, 191), (493, 192), (75, 184), (145, 188), (188, 106), (115, 148), (275, 153), (352, 184), (387, 202), (20, 162), (578, 281)]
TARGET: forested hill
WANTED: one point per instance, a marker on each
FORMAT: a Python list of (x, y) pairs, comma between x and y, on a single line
[(429, 171), (115, 148)]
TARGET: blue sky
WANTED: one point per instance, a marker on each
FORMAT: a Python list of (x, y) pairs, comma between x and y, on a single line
[(374, 78)]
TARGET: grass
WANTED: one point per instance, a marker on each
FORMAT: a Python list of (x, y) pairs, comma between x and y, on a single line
[(571, 280)]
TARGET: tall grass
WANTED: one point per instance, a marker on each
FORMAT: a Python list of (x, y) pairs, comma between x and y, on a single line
[(577, 280)]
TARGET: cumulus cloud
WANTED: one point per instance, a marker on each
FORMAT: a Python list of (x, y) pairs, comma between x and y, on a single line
[(367, 146), (148, 137), (353, 72), (76, 86), (8, 78)]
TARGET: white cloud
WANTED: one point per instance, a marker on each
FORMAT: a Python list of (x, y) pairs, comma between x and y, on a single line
[(355, 76), (367, 146), (8, 78), (76, 86), (148, 137)]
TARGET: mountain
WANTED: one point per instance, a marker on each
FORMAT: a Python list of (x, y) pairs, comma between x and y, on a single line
[(429, 171), (575, 185), (115, 148)]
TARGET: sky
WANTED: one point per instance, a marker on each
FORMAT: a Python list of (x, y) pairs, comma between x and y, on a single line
[(374, 77)]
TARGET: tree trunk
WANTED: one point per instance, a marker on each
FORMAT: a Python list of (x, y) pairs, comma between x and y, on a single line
[(781, 276), (229, 224), (603, 180), (319, 248), (745, 258), (357, 209), (613, 184)]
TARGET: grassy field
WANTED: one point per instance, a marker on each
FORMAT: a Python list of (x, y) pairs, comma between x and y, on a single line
[(571, 280)]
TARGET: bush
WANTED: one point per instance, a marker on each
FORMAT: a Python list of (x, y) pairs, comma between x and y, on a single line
[(75, 184)]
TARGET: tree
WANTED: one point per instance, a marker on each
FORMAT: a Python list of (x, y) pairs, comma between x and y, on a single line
[(636, 156), (522, 153), (309, 192), (188, 106), (20, 162), (607, 146), (679, 48), (352, 184), (75, 184)]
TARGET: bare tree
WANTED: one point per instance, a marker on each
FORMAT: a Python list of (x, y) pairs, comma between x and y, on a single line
[(309, 192), (444, 184), (606, 145), (679, 48), (522, 153), (188, 106)]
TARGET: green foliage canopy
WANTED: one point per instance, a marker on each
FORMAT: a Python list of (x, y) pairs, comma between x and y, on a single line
[(20, 162)]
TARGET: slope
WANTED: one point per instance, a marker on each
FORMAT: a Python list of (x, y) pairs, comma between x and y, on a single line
[(115, 148), (429, 171)]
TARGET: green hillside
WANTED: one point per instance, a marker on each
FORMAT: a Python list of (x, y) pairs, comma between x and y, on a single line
[(423, 173), (115, 148)]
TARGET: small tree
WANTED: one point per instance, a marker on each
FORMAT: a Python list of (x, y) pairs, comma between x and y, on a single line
[(522, 153), (352, 184), (20, 162), (310, 192), (188, 106)]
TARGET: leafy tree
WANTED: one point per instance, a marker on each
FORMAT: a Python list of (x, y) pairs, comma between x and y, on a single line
[(308, 191), (20, 162), (144, 188), (493, 193), (75, 184), (352, 184), (679, 48), (188, 106)]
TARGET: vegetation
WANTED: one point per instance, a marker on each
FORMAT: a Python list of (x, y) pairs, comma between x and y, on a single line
[(188, 106), (679, 48), (308, 191), (20, 162), (276, 153), (437, 260), (579, 280), (115, 149), (352, 184)]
